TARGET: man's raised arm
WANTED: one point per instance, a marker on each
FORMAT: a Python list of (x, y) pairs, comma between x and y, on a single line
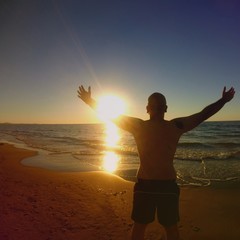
[(190, 122), (86, 97), (129, 124)]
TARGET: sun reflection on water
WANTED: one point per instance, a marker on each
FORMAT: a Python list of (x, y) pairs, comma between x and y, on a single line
[(110, 107), (111, 159), (112, 135)]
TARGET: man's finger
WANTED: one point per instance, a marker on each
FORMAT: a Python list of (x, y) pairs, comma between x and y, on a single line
[(224, 89)]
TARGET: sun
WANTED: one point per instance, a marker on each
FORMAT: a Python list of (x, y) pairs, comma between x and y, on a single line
[(110, 107)]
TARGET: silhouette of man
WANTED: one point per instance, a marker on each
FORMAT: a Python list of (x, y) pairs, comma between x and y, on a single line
[(156, 189)]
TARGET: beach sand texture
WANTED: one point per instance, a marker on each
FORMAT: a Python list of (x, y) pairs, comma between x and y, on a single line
[(41, 204)]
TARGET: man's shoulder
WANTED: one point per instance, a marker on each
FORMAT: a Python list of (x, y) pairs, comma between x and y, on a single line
[(130, 124), (177, 122)]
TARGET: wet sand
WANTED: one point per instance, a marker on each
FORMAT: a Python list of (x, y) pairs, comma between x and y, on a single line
[(48, 205)]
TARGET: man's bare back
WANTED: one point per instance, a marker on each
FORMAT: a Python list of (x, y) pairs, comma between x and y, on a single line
[(157, 142)]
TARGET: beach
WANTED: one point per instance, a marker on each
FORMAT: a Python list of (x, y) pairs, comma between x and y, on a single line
[(37, 203)]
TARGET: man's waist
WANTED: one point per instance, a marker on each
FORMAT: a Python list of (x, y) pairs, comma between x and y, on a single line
[(159, 174), (156, 186)]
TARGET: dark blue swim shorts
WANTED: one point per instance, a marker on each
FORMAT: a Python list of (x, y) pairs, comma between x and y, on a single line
[(156, 196)]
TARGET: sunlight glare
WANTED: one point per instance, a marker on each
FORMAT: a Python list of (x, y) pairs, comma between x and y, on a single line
[(110, 107)]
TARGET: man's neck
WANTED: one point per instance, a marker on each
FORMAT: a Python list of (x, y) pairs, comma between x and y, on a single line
[(157, 117)]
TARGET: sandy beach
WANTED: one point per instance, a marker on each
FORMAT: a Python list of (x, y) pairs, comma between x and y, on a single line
[(48, 205)]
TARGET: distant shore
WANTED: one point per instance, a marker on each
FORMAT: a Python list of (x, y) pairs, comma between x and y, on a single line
[(43, 204)]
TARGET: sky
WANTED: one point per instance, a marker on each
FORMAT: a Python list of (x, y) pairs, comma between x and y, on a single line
[(188, 50)]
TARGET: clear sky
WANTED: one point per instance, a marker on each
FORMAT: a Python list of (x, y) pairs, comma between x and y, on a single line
[(187, 50)]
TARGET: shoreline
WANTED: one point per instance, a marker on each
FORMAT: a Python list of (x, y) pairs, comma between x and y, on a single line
[(41, 204), (65, 162)]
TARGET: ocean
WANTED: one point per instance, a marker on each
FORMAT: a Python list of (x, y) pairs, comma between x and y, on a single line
[(209, 153)]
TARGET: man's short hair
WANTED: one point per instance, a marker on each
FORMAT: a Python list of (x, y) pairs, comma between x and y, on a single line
[(158, 98)]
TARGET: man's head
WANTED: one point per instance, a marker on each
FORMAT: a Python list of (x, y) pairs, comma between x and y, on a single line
[(157, 104)]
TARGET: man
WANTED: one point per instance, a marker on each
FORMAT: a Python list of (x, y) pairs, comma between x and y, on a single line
[(157, 139)]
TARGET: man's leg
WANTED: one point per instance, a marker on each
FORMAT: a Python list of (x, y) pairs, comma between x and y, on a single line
[(172, 232), (138, 231)]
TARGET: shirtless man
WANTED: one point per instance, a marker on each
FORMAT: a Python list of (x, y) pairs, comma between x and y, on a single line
[(157, 139)]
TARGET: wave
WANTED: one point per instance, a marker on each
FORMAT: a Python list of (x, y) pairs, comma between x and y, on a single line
[(228, 144), (192, 180), (208, 156), (208, 145), (193, 145)]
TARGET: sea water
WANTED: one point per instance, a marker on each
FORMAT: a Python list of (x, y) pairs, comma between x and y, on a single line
[(210, 152)]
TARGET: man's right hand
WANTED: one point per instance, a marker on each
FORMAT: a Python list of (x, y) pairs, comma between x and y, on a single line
[(228, 95), (84, 95)]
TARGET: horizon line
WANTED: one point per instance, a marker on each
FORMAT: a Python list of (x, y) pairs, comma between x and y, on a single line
[(9, 123)]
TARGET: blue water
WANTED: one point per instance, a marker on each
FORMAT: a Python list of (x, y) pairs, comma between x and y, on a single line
[(211, 152)]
